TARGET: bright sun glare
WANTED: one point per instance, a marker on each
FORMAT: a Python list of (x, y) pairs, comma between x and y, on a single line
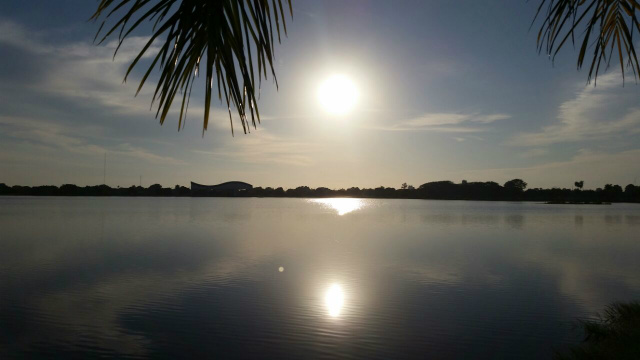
[(341, 205), (334, 300), (338, 95)]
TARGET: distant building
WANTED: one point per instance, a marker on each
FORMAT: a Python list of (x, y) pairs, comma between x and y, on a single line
[(229, 185)]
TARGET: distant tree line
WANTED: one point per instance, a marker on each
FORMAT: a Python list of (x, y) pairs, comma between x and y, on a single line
[(96, 190), (512, 190)]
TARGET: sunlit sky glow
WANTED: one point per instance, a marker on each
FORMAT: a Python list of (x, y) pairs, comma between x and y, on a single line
[(443, 90), (338, 95)]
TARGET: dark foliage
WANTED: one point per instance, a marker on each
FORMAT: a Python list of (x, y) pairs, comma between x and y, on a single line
[(226, 37), (615, 334), (441, 190), (98, 190), (603, 28)]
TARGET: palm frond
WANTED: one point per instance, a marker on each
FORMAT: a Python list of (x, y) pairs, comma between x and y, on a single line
[(607, 28), (227, 36)]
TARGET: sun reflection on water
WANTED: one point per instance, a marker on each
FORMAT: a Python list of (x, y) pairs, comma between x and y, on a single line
[(341, 205), (334, 300)]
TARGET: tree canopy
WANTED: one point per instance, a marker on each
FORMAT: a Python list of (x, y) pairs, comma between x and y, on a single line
[(515, 184)]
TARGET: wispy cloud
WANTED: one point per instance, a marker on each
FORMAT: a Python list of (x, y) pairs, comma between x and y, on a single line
[(446, 122), (80, 70), (57, 137), (436, 119), (14, 34), (596, 113), (535, 152), (266, 148)]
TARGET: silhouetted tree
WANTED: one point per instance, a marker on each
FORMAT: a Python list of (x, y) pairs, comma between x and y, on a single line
[(323, 192), (516, 184), (69, 189), (579, 184), (612, 192), (439, 190), (632, 193)]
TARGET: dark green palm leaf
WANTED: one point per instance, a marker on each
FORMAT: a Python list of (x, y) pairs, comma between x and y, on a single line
[(227, 35), (607, 28)]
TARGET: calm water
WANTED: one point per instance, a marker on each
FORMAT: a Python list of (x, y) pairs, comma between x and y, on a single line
[(296, 278)]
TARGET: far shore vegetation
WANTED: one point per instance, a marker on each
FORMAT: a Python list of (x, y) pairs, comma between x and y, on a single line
[(513, 190)]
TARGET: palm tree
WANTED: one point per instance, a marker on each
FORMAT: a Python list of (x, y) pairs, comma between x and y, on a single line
[(222, 33), (227, 36), (605, 26)]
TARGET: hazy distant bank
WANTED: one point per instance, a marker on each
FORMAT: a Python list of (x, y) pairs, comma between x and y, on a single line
[(439, 190)]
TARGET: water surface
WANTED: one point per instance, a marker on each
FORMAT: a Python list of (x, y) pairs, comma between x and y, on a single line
[(298, 278)]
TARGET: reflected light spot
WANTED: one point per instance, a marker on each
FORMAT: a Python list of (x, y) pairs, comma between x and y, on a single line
[(342, 205), (334, 299), (281, 269)]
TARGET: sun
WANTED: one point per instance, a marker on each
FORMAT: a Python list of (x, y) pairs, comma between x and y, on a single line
[(338, 95)]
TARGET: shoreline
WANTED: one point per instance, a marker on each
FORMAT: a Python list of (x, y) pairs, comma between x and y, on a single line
[(438, 190), (318, 197)]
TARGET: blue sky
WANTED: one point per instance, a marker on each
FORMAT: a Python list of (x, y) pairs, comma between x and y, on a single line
[(449, 90)]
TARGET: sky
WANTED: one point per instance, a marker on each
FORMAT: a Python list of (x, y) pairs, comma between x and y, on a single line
[(448, 90)]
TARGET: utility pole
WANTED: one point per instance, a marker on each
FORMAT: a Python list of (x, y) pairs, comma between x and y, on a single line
[(140, 180), (104, 171)]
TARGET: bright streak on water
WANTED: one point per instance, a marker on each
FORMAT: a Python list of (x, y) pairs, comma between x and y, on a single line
[(341, 205), (334, 300)]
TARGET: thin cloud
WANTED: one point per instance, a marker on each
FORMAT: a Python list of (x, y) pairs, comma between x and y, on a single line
[(263, 147), (81, 70), (535, 152), (446, 122), (596, 113), (57, 137), (16, 35)]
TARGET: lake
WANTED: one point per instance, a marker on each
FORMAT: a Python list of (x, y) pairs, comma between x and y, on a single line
[(306, 278)]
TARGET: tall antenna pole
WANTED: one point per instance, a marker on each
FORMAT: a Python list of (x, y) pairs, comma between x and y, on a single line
[(104, 171)]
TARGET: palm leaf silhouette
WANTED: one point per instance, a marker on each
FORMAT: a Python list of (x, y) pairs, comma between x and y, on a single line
[(227, 36), (607, 28)]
